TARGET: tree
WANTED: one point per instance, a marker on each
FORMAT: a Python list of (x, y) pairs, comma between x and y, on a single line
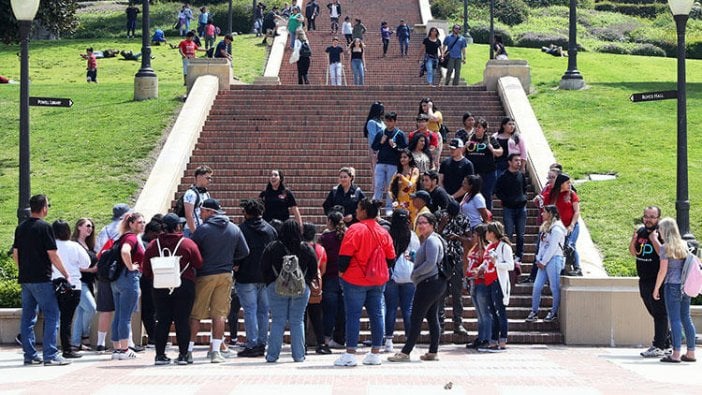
[(56, 16)]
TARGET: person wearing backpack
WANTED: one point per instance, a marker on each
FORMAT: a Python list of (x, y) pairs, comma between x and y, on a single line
[(302, 48), (365, 256), (673, 254), (173, 306), (193, 198), (288, 266), (431, 287)]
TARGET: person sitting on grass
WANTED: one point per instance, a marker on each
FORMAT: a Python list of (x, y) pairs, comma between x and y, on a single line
[(158, 37)]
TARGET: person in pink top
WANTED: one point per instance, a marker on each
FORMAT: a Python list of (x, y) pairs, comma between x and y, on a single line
[(91, 75), (512, 142), (210, 35)]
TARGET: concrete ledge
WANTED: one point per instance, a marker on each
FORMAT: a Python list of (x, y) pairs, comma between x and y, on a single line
[(517, 106), (496, 69), (275, 58), (218, 67), (604, 312), (163, 181)]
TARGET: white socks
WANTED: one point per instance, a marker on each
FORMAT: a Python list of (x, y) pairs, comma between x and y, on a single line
[(101, 338), (216, 343), (191, 345)]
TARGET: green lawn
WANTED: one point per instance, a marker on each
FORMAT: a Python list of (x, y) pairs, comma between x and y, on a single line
[(100, 151), (598, 130)]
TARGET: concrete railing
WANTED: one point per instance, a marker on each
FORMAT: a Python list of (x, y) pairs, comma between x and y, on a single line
[(163, 181), (275, 57), (517, 106), (218, 67)]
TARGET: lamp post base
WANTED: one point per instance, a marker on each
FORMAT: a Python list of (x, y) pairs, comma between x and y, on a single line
[(572, 80), (145, 87)]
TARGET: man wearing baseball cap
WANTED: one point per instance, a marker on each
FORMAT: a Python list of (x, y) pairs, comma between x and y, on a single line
[(220, 243)]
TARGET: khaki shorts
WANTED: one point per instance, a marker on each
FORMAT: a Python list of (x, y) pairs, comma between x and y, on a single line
[(212, 296)]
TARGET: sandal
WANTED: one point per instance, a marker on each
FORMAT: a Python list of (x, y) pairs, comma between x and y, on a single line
[(667, 358), (684, 358)]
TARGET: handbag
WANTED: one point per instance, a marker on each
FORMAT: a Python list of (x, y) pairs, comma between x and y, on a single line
[(402, 272)]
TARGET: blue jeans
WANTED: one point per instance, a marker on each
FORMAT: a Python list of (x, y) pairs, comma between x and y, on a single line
[(333, 312), (287, 310), (429, 64), (678, 306), (355, 297), (125, 292), (572, 240), (499, 313), (515, 222), (39, 296), (482, 301), (404, 45), (398, 295), (84, 315), (383, 176), (552, 271), (254, 300), (489, 181), (358, 73)]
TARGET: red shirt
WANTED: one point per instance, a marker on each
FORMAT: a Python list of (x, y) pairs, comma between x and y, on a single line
[(564, 204), (92, 62), (475, 259), (188, 48), (433, 138), (359, 242), (490, 272), (321, 257), (137, 252)]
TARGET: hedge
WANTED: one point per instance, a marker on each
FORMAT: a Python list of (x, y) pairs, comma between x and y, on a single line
[(481, 35), (641, 10)]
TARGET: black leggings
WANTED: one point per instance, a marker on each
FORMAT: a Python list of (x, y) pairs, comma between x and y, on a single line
[(233, 318), (303, 67), (67, 306), (175, 307), (314, 313), (425, 304)]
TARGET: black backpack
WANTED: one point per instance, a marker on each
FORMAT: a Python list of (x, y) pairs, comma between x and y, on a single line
[(110, 265), (445, 264), (179, 208), (305, 51)]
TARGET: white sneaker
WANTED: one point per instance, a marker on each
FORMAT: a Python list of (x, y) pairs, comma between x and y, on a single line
[(216, 357), (388, 346), (335, 345), (129, 354), (372, 359), (115, 355), (346, 359)]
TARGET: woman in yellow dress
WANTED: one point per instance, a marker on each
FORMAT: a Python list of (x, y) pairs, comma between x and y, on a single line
[(404, 183)]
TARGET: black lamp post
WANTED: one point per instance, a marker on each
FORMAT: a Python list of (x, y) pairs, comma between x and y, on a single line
[(491, 38), (466, 33), (572, 79), (25, 11), (681, 11), (145, 80)]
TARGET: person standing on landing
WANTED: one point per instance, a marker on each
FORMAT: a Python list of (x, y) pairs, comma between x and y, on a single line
[(455, 48), (35, 252), (645, 246), (388, 144), (193, 198)]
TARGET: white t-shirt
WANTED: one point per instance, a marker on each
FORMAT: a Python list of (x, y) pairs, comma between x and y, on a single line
[(471, 210), (334, 11), (347, 28), (191, 198), (74, 258), (110, 231)]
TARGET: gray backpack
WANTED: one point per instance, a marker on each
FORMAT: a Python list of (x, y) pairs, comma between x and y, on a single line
[(290, 281)]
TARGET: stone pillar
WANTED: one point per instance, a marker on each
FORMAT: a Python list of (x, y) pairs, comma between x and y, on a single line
[(145, 88)]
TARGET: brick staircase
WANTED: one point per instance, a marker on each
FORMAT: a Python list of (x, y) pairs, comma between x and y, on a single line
[(309, 132)]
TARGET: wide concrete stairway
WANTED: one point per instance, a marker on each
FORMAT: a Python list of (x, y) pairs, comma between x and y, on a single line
[(309, 132)]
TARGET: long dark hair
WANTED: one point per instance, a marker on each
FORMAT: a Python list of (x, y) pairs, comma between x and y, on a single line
[(400, 231), (90, 240), (281, 187), (556, 190), (499, 230), (395, 185), (337, 219), (427, 100), (413, 144), (515, 133), (377, 110), (484, 124), (476, 184), (290, 236)]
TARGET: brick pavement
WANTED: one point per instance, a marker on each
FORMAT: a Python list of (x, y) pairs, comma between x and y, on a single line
[(522, 370)]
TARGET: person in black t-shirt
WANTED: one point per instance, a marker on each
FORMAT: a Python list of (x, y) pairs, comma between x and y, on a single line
[(278, 200), (34, 251), (644, 245), (346, 194), (439, 197), (224, 48), (336, 54), (482, 150), (131, 12), (454, 169), (511, 190), (431, 56)]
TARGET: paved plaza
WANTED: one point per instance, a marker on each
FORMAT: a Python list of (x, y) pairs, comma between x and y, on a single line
[(522, 370)]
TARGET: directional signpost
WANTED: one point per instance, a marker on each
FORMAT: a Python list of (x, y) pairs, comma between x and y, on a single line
[(50, 102), (651, 96)]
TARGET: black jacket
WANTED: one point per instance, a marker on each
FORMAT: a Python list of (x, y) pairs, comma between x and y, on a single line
[(258, 234), (511, 189)]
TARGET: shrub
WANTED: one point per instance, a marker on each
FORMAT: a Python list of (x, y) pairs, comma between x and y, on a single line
[(481, 35), (694, 50), (442, 9), (696, 12), (607, 34), (8, 269), (648, 50), (538, 40), (10, 294), (511, 12), (581, 4), (613, 48), (649, 11)]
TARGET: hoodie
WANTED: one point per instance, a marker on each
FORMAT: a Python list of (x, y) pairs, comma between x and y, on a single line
[(258, 234), (221, 243), (551, 243), (190, 258)]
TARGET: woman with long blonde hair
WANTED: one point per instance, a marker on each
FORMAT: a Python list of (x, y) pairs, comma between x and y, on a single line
[(672, 254)]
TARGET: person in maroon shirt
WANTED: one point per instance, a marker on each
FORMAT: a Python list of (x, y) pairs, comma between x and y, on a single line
[(91, 75), (174, 306), (568, 204)]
